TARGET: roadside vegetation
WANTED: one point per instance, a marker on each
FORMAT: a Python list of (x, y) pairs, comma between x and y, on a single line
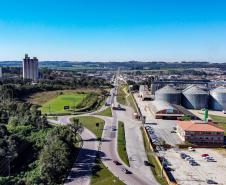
[(94, 124), (121, 144), (107, 112), (132, 103), (121, 95), (220, 121), (102, 176), (30, 148), (155, 168)]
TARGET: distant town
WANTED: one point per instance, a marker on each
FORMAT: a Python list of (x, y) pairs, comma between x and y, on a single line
[(129, 123)]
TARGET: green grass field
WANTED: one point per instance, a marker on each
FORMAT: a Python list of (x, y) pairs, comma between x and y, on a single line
[(102, 176), (56, 105), (90, 123), (121, 95), (107, 112), (220, 120), (132, 103), (121, 143)]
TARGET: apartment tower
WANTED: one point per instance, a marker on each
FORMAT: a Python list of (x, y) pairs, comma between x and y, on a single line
[(30, 68)]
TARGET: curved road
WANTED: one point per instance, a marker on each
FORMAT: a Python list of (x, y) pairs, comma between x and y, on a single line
[(82, 170)]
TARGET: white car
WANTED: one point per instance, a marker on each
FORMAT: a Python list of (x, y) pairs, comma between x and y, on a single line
[(191, 149)]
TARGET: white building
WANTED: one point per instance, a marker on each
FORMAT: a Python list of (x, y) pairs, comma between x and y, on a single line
[(30, 68)]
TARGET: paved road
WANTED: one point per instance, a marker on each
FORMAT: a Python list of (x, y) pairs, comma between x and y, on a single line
[(135, 145), (82, 169)]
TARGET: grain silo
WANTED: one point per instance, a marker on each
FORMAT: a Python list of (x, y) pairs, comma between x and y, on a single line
[(218, 98), (193, 97), (168, 94)]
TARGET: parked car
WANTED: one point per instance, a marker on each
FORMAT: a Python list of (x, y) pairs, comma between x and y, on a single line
[(210, 181), (173, 131), (205, 155), (193, 163), (191, 149)]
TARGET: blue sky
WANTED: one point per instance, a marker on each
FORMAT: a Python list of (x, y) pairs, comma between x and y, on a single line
[(113, 30)]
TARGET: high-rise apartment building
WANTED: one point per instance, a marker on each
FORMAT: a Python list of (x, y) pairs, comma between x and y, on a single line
[(0, 72), (30, 68)]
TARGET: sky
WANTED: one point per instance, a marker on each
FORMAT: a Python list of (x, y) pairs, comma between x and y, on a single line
[(113, 30)]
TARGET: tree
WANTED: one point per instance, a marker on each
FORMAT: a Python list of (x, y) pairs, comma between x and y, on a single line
[(76, 126), (54, 161)]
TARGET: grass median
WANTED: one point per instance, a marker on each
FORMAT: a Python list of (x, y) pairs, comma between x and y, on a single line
[(102, 176), (121, 143), (121, 95), (107, 112), (155, 167)]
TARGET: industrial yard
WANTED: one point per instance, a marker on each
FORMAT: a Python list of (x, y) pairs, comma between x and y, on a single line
[(164, 111)]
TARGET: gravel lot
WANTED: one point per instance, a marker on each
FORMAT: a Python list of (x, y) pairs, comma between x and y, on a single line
[(185, 174)]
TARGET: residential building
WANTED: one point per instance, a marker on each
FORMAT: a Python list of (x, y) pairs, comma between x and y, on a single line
[(199, 132), (30, 68)]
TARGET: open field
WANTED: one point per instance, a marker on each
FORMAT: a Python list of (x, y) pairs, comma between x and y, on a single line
[(102, 176), (221, 121), (43, 97), (56, 105), (121, 143), (90, 123), (106, 112)]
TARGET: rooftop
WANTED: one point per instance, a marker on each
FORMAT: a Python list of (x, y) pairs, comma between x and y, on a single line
[(198, 126)]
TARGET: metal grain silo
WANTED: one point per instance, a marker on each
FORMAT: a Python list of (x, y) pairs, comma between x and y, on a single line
[(218, 98), (168, 94), (193, 97)]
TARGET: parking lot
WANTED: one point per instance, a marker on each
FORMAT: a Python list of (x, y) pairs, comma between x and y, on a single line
[(163, 128), (193, 171), (186, 174)]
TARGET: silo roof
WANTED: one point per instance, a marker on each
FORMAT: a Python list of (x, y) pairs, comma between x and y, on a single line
[(168, 90), (220, 89), (194, 89)]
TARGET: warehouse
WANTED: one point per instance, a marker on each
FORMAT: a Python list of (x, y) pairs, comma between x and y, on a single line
[(165, 110), (199, 132)]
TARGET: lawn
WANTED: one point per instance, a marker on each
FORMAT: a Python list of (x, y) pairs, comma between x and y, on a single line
[(220, 120), (106, 112), (56, 105), (155, 168), (102, 176), (132, 103), (121, 143), (90, 123), (121, 95)]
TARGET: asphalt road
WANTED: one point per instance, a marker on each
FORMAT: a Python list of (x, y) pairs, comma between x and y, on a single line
[(82, 169), (81, 172)]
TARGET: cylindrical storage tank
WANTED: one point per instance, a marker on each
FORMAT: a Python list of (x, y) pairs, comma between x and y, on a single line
[(193, 97), (218, 99), (168, 94)]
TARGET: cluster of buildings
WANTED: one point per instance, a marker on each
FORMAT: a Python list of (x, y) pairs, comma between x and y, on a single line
[(173, 104), (30, 69)]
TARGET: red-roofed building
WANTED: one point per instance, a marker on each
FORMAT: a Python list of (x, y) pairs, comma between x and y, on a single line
[(198, 132)]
